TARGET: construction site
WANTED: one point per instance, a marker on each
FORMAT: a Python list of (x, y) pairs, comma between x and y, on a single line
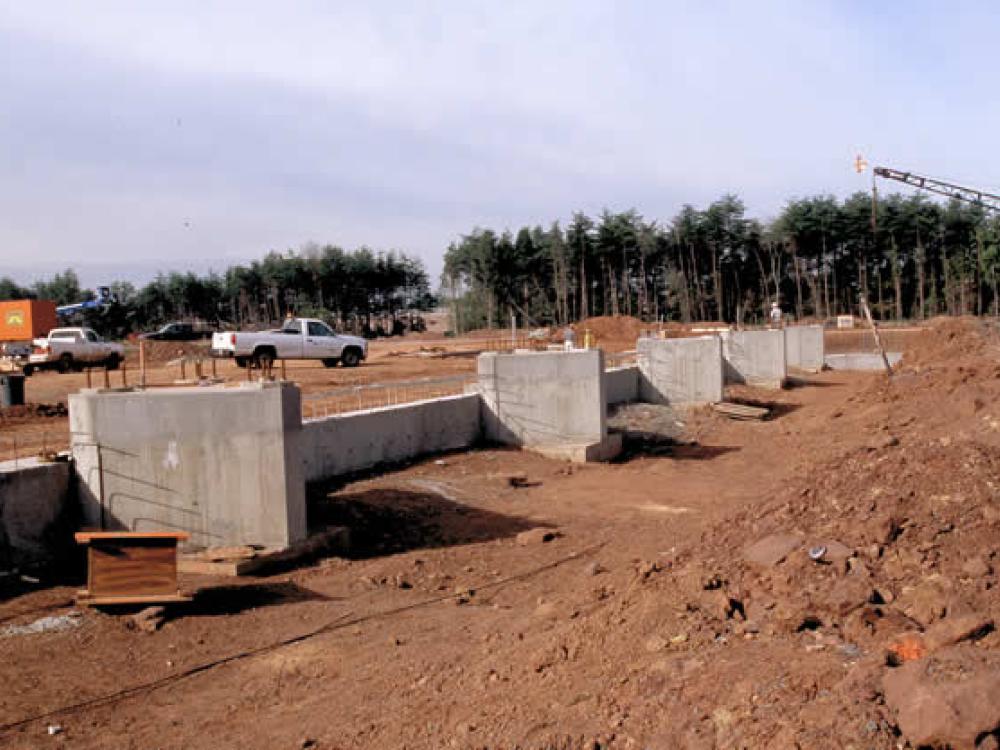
[(674, 538)]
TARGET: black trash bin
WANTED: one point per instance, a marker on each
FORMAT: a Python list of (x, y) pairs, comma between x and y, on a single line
[(11, 389)]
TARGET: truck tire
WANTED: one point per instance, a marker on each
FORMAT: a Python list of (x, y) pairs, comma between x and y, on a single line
[(351, 357), (264, 358), (241, 361), (65, 363), (331, 362), (112, 362)]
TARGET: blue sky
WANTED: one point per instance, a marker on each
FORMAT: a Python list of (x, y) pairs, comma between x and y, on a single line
[(137, 137)]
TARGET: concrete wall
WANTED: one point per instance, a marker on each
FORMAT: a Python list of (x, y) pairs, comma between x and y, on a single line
[(863, 361), (36, 516), (680, 371), (360, 440), (755, 357), (539, 398), (223, 464), (621, 384), (804, 348)]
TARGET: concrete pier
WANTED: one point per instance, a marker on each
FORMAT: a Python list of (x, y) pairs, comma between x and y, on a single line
[(223, 464), (804, 348), (551, 402), (680, 371), (755, 357)]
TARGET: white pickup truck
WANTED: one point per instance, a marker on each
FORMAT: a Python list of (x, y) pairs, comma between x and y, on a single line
[(67, 349), (298, 338)]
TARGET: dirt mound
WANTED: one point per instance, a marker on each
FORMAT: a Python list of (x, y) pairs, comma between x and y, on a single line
[(883, 552), (160, 352)]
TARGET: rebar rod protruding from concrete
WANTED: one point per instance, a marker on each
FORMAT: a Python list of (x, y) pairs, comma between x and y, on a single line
[(142, 364)]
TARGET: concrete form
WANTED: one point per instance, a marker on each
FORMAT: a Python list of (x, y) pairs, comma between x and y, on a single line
[(223, 464), (680, 371), (36, 518), (621, 385), (755, 357), (804, 348), (548, 401), (863, 361), (346, 443)]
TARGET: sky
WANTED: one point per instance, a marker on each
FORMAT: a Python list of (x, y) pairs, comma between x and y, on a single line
[(185, 135)]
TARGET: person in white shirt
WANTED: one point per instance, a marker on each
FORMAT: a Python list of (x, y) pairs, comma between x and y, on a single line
[(775, 315)]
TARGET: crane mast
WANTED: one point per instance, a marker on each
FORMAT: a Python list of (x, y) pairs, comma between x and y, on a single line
[(959, 192)]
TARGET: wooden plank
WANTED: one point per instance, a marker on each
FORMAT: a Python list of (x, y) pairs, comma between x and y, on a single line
[(84, 537), (85, 599), (741, 411)]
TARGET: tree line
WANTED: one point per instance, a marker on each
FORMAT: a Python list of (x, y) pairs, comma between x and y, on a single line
[(918, 258), (358, 291)]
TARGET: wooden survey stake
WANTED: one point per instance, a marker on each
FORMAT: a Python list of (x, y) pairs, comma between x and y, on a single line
[(131, 567)]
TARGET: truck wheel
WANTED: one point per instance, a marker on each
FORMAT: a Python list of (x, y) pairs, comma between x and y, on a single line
[(241, 361), (27, 370), (112, 362), (263, 359), (332, 362), (65, 363), (351, 358)]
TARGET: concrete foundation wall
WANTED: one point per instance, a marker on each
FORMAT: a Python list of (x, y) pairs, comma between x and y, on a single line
[(680, 371), (755, 357), (862, 361), (804, 349), (543, 398), (223, 464), (346, 443), (36, 513), (621, 384)]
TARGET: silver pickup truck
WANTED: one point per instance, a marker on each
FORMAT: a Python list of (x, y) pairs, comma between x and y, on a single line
[(67, 349), (298, 338)]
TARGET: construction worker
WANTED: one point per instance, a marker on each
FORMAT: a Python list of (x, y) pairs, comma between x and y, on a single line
[(776, 315)]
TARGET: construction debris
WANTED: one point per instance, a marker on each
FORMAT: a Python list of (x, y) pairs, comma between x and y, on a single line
[(741, 411)]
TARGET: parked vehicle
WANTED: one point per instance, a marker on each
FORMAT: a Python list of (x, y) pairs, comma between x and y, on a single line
[(179, 332), (67, 349), (298, 338)]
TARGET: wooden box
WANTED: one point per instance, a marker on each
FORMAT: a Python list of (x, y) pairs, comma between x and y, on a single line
[(131, 567)]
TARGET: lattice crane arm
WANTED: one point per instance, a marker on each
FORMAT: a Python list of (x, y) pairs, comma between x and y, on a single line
[(948, 189)]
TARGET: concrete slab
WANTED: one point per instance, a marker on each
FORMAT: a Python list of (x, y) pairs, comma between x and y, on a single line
[(755, 357), (581, 453), (804, 348), (222, 464), (680, 371), (544, 398)]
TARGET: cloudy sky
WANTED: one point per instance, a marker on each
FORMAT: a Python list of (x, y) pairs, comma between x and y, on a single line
[(145, 136)]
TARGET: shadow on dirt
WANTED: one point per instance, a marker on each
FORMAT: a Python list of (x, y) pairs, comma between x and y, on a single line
[(388, 520), (637, 446), (235, 598)]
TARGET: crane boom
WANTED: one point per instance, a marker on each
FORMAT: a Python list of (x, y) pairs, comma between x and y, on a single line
[(968, 195)]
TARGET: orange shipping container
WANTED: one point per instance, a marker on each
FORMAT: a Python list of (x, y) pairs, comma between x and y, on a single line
[(26, 319)]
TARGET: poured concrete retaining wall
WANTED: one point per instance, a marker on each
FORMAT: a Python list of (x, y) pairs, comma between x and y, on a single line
[(680, 371), (621, 384), (804, 348), (862, 361), (539, 398), (755, 357), (36, 515), (223, 464), (360, 440)]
